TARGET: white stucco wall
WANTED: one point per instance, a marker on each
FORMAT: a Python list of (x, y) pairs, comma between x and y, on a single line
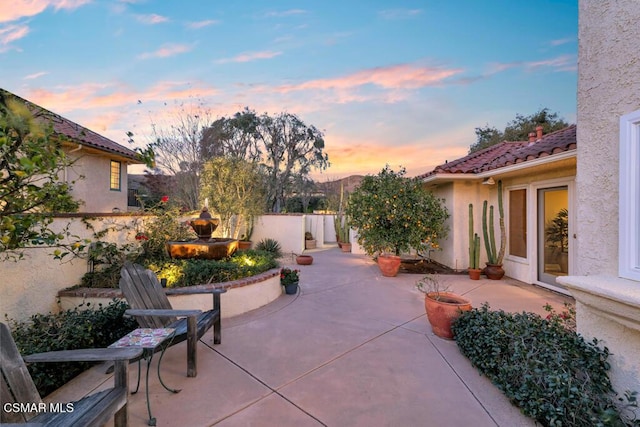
[(608, 87)]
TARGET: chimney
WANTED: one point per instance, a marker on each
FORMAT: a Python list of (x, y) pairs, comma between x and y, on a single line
[(539, 132), (532, 137)]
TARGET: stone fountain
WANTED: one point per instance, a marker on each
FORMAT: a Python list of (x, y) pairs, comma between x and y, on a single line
[(204, 247)]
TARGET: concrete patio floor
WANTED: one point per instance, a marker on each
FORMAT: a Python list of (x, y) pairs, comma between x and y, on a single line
[(352, 348)]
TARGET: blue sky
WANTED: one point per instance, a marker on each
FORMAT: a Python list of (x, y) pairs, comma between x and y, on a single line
[(398, 82)]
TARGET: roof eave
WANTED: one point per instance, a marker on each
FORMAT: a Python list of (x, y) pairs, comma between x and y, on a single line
[(445, 177)]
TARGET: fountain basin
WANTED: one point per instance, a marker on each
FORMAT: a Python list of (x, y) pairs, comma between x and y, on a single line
[(216, 248)]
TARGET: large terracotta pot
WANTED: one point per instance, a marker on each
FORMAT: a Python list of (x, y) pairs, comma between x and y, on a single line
[(389, 265), (304, 259), (346, 247), (494, 271), (441, 313)]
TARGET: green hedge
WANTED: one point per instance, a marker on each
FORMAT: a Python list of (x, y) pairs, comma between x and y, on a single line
[(68, 330), (551, 373)]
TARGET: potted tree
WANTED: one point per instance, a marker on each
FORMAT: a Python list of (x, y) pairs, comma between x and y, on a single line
[(394, 214), (289, 279), (442, 306), (494, 270), (557, 231)]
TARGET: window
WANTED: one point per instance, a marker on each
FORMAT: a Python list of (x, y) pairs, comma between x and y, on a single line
[(518, 223), (629, 236), (115, 176)]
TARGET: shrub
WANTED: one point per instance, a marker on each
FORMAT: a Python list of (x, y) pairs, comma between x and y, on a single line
[(68, 330), (180, 273), (188, 272), (550, 372), (270, 245)]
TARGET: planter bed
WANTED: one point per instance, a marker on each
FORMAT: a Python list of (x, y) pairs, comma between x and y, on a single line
[(242, 295)]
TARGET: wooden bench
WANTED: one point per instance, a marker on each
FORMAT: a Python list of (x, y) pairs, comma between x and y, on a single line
[(21, 402), (152, 309)]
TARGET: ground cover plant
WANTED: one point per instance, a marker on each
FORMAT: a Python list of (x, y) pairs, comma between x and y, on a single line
[(68, 330), (543, 367)]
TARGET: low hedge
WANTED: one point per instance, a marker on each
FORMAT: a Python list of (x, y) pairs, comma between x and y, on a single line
[(68, 330), (550, 372)]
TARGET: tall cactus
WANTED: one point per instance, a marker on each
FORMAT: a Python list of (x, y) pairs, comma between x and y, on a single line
[(474, 243), (494, 256)]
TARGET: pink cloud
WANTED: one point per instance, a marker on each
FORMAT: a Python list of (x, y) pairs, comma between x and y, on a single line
[(12, 33), (201, 24), (250, 56), (167, 50), (25, 8), (36, 75), (152, 19), (392, 77)]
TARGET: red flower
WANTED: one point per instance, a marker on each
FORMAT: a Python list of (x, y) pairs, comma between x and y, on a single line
[(141, 236), (164, 199)]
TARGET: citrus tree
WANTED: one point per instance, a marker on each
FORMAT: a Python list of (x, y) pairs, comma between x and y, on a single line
[(394, 214)]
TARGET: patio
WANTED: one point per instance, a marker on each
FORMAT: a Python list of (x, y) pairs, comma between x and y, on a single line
[(353, 348)]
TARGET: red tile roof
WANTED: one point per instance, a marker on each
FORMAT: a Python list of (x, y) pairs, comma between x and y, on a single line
[(76, 133), (509, 153)]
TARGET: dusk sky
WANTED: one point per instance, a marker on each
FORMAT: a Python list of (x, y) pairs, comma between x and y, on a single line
[(397, 82)]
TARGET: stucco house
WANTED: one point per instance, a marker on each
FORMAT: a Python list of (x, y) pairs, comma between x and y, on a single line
[(99, 166), (538, 178)]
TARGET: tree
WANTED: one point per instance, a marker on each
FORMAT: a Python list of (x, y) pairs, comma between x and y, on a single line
[(292, 150), (177, 147), (31, 185), (234, 136), (235, 191), (395, 214), (518, 129)]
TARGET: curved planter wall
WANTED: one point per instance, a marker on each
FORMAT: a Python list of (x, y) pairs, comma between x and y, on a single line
[(242, 295)]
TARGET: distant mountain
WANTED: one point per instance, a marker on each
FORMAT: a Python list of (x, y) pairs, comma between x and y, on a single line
[(333, 187)]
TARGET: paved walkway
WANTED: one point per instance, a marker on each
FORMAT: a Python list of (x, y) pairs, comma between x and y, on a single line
[(353, 348)]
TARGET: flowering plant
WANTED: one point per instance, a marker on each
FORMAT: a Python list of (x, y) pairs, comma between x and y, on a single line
[(289, 276)]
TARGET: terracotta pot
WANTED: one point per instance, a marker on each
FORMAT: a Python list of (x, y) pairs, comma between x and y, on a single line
[(346, 247), (442, 313), (474, 273), (243, 245), (304, 259), (494, 271), (389, 265), (310, 244)]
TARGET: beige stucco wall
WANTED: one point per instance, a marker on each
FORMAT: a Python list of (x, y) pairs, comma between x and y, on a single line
[(608, 87), (91, 173), (31, 285)]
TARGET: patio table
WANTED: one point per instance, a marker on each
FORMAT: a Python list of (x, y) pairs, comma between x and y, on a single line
[(148, 339)]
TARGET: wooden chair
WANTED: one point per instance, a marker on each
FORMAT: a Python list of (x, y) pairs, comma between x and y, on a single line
[(21, 402), (151, 308)]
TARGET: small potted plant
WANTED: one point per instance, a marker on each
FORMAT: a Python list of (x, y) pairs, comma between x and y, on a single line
[(309, 241), (442, 307), (289, 278)]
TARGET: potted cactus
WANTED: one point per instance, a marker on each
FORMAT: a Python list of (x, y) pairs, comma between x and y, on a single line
[(494, 270), (474, 249)]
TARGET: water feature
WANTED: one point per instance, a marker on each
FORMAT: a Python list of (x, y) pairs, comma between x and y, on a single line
[(205, 246)]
